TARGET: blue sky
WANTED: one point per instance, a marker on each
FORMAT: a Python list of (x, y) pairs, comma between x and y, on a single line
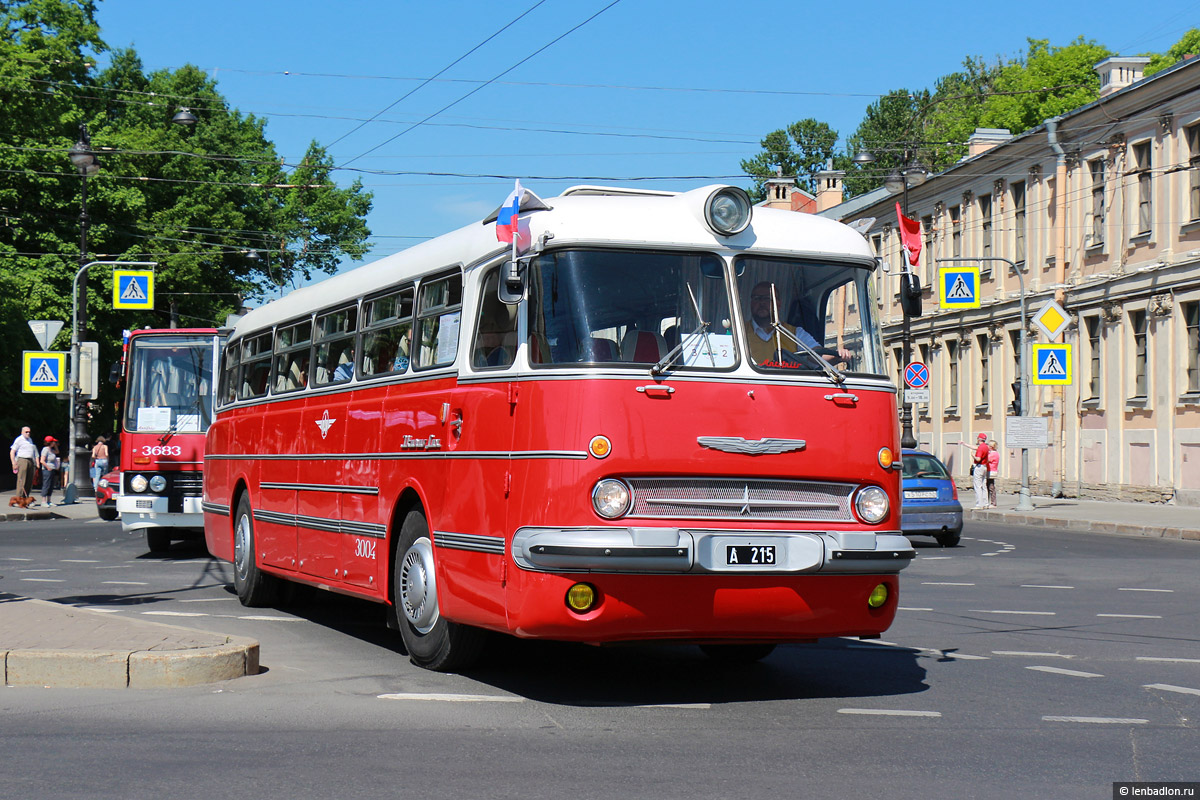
[(669, 88)]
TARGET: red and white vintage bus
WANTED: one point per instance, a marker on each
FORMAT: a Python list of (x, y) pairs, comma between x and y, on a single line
[(667, 421), (168, 377)]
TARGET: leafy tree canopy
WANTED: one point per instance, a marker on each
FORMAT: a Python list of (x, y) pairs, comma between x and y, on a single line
[(1189, 45)]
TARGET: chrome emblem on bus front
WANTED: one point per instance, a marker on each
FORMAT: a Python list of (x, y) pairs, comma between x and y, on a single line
[(762, 447), (325, 423)]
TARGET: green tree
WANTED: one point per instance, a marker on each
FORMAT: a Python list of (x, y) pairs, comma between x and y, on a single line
[(1187, 46), (1047, 82), (799, 151)]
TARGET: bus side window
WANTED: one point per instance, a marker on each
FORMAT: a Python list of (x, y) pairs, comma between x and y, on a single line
[(256, 367), (291, 357), (439, 312), (387, 334), (495, 328), (334, 358)]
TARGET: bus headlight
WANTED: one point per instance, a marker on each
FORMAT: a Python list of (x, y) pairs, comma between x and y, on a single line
[(727, 210), (871, 504), (610, 498), (158, 483), (138, 483)]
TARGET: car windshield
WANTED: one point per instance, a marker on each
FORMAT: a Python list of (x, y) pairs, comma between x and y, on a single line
[(630, 307), (922, 465), (169, 384)]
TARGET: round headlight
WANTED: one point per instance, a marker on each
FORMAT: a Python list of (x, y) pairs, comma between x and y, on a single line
[(610, 498), (871, 505), (158, 483), (727, 211), (138, 483)]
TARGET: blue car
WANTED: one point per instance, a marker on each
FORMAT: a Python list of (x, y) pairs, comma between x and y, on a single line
[(929, 499)]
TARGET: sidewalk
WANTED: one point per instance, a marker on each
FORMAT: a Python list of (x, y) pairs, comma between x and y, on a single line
[(54, 645), (1156, 520)]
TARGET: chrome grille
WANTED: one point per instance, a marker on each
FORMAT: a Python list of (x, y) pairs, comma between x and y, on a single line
[(733, 498), (189, 484)]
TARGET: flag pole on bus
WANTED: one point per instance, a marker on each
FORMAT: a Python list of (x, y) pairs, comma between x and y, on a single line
[(509, 225)]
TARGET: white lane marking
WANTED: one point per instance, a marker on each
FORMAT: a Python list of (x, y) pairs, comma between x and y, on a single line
[(1098, 720), (50, 569), (451, 698), (204, 600), (998, 611), (101, 610), (1073, 673), (114, 566), (80, 560), (1131, 616), (125, 583), (265, 618), (889, 712), (14, 558), (944, 583), (1170, 660), (1166, 687), (912, 608), (935, 558), (990, 554), (694, 706), (44, 580), (1124, 589), (1024, 654), (1041, 586), (174, 614)]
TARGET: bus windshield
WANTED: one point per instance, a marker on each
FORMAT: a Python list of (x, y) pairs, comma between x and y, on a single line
[(631, 307), (169, 384), (799, 310)]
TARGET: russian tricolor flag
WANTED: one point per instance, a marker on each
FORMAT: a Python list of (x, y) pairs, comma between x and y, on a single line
[(509, 225)]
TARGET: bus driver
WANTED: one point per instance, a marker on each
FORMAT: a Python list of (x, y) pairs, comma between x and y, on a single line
[(762, 338)]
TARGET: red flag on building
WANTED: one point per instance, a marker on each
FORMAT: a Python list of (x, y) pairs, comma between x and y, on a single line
[(910, 237)]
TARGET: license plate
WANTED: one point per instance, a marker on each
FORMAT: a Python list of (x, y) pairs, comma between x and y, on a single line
[(750, 554), (930, 495)]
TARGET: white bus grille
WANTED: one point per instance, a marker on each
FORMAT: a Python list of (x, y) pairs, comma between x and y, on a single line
[(731, 498)]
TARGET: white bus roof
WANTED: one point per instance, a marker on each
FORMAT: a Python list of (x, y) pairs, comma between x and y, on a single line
[(586, 215)]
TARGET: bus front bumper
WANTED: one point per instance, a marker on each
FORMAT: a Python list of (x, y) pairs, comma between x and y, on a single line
[(152, 511)]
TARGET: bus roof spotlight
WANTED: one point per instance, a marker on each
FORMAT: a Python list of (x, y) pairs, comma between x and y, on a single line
[(727, 211)]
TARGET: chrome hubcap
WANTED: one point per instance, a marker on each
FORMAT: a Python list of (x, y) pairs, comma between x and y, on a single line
[(242, 547), (418, 587)]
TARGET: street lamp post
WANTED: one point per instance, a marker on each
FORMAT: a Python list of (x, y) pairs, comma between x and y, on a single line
[(87, 164), (898, 183)]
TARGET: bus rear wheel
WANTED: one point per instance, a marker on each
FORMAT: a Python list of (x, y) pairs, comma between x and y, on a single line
[(432, 641), (254, 587)]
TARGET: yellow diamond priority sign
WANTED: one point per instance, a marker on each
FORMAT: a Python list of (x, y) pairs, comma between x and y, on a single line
[(1051, 319), (133, 288)]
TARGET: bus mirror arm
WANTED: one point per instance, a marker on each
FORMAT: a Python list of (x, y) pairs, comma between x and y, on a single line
[(512, 285)]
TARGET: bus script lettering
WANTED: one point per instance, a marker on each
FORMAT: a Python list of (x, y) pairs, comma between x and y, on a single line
[(414, 443)]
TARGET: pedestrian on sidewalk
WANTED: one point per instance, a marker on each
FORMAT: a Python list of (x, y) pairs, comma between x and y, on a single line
[(979, 470), (993, 464), (99, 461), (50, 463), (23, 454)]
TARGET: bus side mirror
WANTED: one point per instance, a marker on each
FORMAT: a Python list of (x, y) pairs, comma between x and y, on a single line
[(910, 294), (114, 373), (512, 282)]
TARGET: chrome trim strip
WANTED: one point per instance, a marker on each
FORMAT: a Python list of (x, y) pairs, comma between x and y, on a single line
[(215, 508), (740, 504), (569, 455), (321, 487), (469, 541), (368, 529)]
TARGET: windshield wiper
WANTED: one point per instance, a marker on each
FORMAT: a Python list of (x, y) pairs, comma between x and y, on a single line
[(777, 328), (666, 361)]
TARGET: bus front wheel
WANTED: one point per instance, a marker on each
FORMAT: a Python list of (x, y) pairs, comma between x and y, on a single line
[(254, 587), (432, 641)]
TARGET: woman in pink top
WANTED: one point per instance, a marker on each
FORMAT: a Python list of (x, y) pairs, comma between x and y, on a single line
[(993, 465)]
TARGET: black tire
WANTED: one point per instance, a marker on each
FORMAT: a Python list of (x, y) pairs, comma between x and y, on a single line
[(158, 540), (255, 588), (108, 514), (948, 539), (432, 641), (737, 653)]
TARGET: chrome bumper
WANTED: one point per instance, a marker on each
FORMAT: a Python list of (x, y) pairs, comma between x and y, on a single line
[(672, 550), (150, 511)]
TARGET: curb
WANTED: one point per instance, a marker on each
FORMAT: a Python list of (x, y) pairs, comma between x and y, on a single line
[(1085, 525)]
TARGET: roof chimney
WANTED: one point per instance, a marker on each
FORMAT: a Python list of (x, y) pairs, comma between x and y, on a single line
[(984, 139), (829, 186), (1119, 71)]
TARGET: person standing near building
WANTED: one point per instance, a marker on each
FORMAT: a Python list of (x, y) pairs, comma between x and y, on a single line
[(99, 461), (979, 471), (993, 464), (50, 464), (23, 455)]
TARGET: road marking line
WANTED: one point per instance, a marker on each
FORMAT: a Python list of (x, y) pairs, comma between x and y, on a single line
[(174, 614), (935, 558), (265, 618), (51, 569), (889, 712), (14, 558), (204, 600), (1041, 586), (1170, 660), (1069, 672), (912, 608), (125, 583), (101, 610), (695, 706), (452, 698), (1024, 654), (1166, 687), (1131, 616), (1098, 720), (944, 583), (44, 580), (80, 560), (1031, 613), (1124, 589)]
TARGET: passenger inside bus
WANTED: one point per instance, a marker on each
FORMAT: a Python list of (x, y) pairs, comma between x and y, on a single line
[(766, 343)]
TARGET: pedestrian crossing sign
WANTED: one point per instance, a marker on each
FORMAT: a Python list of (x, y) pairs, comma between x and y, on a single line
[(958, 287), (43, 372), (133, 288), (1053, 364)]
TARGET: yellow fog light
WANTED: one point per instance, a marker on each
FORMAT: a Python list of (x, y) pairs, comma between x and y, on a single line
[(886, 457), (581, 597), (600, 446), (879, 596)]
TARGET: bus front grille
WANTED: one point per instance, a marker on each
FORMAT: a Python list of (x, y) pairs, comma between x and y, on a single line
[(733, 498)]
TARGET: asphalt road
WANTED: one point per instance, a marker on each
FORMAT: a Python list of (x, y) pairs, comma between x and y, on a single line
[(1024, 663)]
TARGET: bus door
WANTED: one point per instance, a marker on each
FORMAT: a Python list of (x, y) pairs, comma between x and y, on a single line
[(470, 533), (279, 480)]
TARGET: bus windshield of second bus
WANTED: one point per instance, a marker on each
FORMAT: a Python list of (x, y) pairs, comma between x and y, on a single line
[(170, 384)]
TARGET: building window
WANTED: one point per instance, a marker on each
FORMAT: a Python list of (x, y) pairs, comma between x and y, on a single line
[(1096, 228), (984, 371), (1018, 198), (1092, 325), (985, 225), (1142, 168), (955, 231), (1137, 324), (952, 356), (1193, 143), (1191, 323), (927, 227)]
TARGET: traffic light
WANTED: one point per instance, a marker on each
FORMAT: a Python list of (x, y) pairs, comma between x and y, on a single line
[(910, 294), (1016, 403)]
